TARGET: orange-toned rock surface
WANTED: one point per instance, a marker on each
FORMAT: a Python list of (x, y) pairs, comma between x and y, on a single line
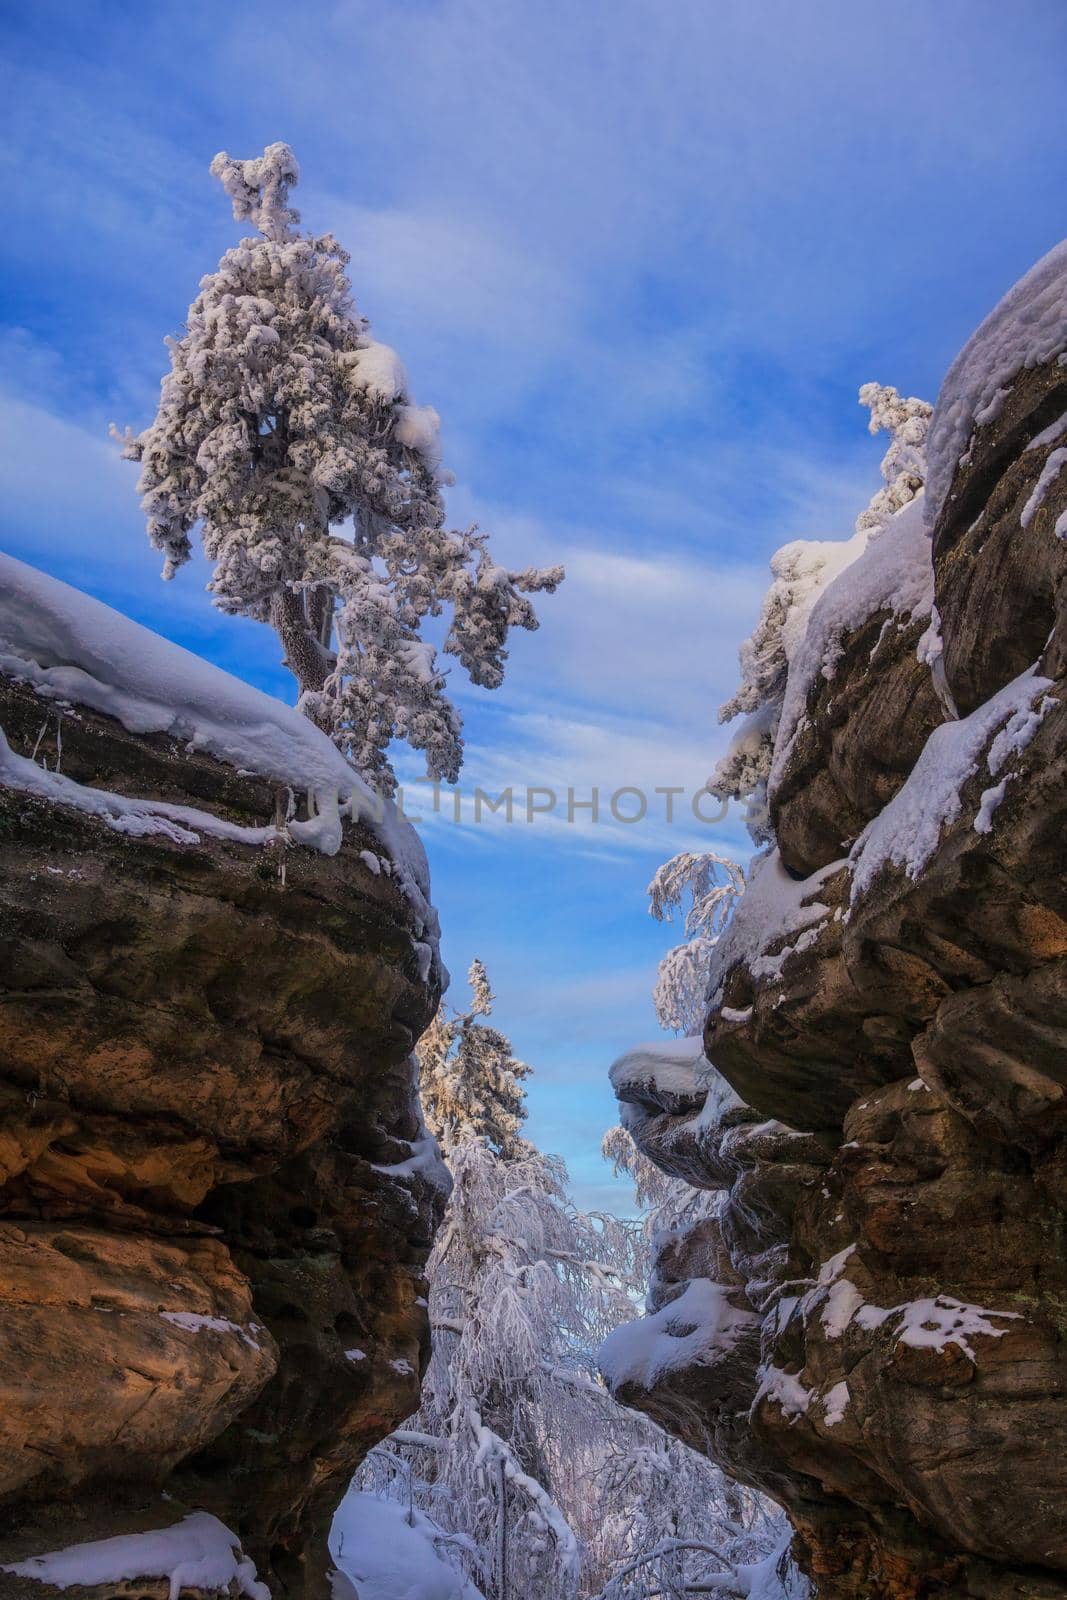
[(211, 1292)]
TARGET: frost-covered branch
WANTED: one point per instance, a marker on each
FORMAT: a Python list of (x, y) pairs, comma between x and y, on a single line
[(725, 1583), (712, 884), (491, 1447)]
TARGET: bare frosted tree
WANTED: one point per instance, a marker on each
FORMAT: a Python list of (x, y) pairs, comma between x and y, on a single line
[(289, 436)]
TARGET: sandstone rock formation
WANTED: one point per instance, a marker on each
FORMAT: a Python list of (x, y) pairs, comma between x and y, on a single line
[(889, 1010), (216, 1194)]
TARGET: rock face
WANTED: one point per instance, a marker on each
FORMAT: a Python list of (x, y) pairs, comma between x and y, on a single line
[(889, 1009), (216, 1195)]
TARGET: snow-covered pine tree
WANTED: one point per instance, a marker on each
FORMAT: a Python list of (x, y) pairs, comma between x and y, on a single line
[(291, 438), (470, 1079), (800, 572), (907, 422), (711, 883)]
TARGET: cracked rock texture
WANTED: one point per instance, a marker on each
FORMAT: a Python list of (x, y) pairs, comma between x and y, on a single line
[(894, 1187), (211, 1294)]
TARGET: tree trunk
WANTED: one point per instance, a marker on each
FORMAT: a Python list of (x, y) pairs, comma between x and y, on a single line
[(502, 1532), (304, 656)]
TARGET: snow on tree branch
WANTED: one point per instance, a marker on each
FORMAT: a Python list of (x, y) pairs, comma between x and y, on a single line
[(259, 189), (289, 438), (519, 1454), (711, 883)]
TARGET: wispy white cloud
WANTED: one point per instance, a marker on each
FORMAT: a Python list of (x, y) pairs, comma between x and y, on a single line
[(640, 257)]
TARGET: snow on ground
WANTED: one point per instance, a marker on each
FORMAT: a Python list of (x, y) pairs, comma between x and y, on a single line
[(75, 650), (389, 1557), (199, 1552), (695, 1329), (1027, 328)]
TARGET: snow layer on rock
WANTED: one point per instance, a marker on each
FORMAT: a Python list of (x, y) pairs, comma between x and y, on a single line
[(424, 1161), (934, 1324), (192, 1322), (138, 818), (835, 1404), (667, 1067), (930, 1322), (783, 1389), (891, 572), (1049, 473), (773, 907), (696, 1329), (677, 1076), (389, 1553), (75, 650), (198, 1553), (1027, 328), (719, 1097), (906, 832)]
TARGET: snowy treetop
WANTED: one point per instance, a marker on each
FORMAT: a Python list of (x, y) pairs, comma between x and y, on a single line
[(259, 189), (288, 438), (1027, 328)]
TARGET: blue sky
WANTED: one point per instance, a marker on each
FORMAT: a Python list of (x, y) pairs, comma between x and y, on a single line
[(640, 255)]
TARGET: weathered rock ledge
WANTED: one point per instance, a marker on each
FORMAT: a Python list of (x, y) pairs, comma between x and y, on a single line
[(211, 1292), (890, 1012)]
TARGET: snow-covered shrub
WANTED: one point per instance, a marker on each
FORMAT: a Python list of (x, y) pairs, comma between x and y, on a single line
[(290, 437)]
